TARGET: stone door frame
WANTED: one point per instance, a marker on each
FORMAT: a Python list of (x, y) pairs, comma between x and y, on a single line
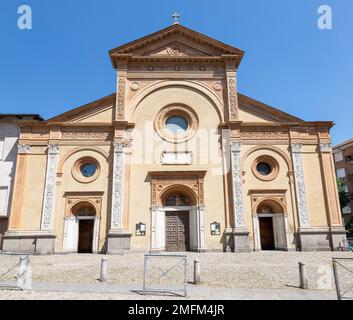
[(192, 184)]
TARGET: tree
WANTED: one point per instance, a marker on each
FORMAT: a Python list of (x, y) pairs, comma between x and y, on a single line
[(344, 195), (345, 199)]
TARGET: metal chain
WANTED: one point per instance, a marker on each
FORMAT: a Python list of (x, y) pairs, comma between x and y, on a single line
[(17, 264)]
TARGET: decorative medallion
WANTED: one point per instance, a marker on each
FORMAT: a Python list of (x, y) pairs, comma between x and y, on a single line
[(135, 86)]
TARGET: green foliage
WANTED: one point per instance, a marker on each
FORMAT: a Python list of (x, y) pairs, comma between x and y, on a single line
[(344, 196)]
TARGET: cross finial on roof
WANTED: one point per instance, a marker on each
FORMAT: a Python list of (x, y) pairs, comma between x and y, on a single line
[(176, 17)]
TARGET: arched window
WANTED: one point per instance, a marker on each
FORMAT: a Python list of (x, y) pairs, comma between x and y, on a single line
[(83, 209), (177, 200)]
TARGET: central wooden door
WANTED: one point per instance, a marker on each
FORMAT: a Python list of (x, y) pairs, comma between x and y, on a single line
[(177, 231), (85, 236), (266, 233)]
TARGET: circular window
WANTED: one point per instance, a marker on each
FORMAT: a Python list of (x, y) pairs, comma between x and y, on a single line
[(176, 123), (86, 170), (265, 168)]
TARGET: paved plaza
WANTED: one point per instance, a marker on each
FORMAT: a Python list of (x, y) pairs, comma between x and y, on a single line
[(265, 275)]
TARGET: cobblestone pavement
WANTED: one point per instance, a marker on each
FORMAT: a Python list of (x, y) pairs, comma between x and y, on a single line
[(271, 270)]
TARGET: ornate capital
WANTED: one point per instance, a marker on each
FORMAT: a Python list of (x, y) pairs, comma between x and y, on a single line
[(296, 147), (325, 147), (53, 149), (23, 148), (118, 147), (235, 146)]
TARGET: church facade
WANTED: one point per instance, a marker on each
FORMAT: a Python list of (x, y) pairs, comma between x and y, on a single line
[(176, 160)]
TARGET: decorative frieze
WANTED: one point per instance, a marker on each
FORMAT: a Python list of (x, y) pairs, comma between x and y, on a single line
[(117, 190), (300, 185), (237, 186), (87, 134), (49, 189), (263, 133)]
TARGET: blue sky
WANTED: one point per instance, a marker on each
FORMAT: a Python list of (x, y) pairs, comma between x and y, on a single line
[(289, 62)]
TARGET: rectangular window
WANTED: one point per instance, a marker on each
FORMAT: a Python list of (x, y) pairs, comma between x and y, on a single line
[(341, 173), (2, 143), (338, 156), (347, 209), (3, 200)]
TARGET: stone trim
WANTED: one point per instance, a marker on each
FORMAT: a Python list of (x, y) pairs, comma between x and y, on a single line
[(237, 186), (50, 187), (117, 190), (300, 185)]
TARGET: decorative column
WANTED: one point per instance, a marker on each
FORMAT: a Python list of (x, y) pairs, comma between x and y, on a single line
[(302, 205), (240, 231), (118, 238), (157, 229), (336, 228), (121, 90), (305, 240), (201, 228), (117, 196), (49, 189), (256, 230)]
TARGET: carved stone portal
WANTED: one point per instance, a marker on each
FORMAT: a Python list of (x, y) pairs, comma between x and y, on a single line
[(189, 182)]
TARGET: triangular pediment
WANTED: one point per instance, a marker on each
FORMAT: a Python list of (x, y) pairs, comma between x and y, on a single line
[(251, 110), (176, 40), (99, 111)]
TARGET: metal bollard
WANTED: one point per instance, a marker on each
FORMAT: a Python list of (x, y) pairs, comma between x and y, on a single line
[(24, 277), (197, 272), (104, 270), (302, 276)]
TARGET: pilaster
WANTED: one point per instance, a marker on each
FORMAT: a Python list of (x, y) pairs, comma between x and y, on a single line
[(232, 94), (240, 231), (50, 188), (302, 206), (118, 237), (21, 167)]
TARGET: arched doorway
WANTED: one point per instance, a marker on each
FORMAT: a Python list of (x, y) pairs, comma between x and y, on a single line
[(85, 213), (177, 205), (81, 228), (177, 211), (271, 226)]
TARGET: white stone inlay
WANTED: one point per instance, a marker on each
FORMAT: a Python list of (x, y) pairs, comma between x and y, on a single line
[(50, 187), (117, 196), (23, 148), (300, 185), (237, 186), (325, 147), (176, 157)]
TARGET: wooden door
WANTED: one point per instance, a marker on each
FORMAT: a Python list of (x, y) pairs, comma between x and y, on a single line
[(85, 236), (266, 233), (177, 231)]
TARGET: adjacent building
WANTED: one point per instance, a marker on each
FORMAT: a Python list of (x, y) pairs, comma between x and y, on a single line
[(175, 160), (9, 133), (343, 155)]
